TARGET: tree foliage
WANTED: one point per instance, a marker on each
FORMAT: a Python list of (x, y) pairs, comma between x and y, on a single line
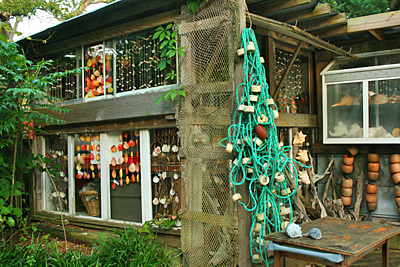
[(358, 8)]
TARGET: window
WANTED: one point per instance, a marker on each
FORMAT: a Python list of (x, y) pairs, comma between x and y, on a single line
[(110, 175), (122, 64), (361, 99), (294, 94)]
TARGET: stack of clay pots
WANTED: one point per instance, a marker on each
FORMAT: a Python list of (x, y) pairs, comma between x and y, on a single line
[(347, 184), (395, 169), (373, 175)]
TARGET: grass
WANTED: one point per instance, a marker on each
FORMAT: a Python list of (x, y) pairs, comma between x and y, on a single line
[(127, 248)]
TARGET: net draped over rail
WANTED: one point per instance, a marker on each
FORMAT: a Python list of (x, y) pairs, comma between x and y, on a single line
[(262, 165)]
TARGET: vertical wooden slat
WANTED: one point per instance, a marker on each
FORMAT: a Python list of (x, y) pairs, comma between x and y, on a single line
[(270, 64)]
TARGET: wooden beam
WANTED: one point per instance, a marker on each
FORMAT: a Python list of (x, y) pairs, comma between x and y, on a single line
[(319, 11), (366, 23), (107, 33), (378, 34), (278, 88), (296, 33), (339, 19), (386, 44), (271, 8)]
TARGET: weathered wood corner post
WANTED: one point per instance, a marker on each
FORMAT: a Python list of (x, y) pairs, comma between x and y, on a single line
[(244, 217)]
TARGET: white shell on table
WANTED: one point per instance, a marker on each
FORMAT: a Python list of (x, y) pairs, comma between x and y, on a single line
[(293, 230), (304, 178), (156, 179)]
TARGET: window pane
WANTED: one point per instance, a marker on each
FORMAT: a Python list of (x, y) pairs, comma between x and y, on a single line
[(345, 110), (87, 174), (56, 188), (138, 57), (68, 87), (94, 79), (166, 175), (384, 112), (125, 176), (294, 94)]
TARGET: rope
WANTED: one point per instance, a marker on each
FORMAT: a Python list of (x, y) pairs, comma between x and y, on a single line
[(266, 159)]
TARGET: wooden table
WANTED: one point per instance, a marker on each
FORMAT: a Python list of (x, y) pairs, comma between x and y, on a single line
[(352, 239)]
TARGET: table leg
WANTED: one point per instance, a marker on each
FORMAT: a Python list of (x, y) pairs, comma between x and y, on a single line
[(385, 254), (277, 259)]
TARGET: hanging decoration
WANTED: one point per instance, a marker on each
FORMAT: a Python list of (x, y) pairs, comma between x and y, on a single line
[(260, 164)]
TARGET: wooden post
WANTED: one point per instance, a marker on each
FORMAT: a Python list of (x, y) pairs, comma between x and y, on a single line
[(244, 217), (270, 67)]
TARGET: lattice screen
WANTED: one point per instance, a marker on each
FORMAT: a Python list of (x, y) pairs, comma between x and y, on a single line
[(211, 36)]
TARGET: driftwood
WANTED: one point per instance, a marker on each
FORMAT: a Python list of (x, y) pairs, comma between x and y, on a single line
[(359, 195)]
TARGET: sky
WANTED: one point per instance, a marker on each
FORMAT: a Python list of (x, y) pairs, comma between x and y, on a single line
[(41, 21)]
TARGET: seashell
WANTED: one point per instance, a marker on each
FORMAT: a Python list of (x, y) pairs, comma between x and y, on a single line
[(131, 143), (121, 160), (79, 176), (78, 167), (98, 137), (299, 138), (120, 147), (314, 233), (82, 138), (133, 178), (172, 192), (155, 154), (121, 173), (93, 147), (261, 132), (132, 167), (156, 179), (88, 138), (157, 150), (78, 148), (121, 182), (113, 161), (379, 99), (126, 158), (114, 149), (99, 166), (92, 167), (302, 156), (98, 157), (345, 101), (120, 138), (176, 176), (166, 148), (178, 223), (98, 148), (93, 137), (176, 199), (396, 132), (126, 145), (156, 201), (174, 148), (340, 130), (164, 175), (304, 178), (83, 147), (127, 180), (163, 200), (293, 230), (62, 174), (91, 156)]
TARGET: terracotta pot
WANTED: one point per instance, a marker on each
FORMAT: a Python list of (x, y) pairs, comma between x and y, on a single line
[(397, 190), (373, 157), (372, 188), (395, 158), (348, 160), (347, 192), (373, 176), (347, 183), (346, 201), (347, 168), (372, 206), (398, 202), (395, 167), (371, 198), (396, 178), (373, 167)]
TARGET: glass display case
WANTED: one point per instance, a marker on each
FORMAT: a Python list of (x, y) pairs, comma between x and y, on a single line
[(361, 99)]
